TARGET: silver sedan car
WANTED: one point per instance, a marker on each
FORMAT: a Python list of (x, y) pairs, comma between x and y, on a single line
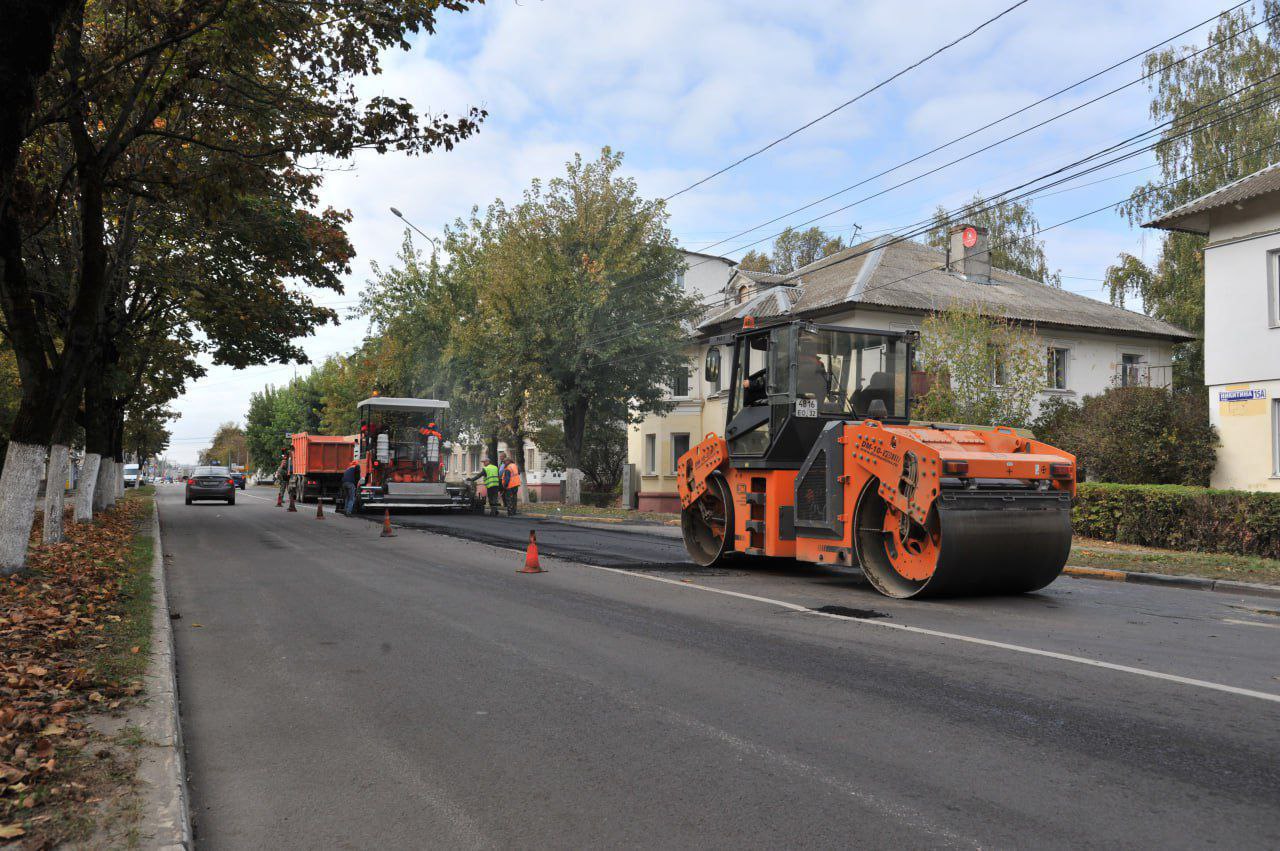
[(211, 483)]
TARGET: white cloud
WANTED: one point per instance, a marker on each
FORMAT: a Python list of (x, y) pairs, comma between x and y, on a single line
[(684, 87)]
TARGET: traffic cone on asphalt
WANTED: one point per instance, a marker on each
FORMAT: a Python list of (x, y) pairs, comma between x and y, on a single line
[(386, 524), (319, 507), (279, 499), (292, 505), (531, 564)]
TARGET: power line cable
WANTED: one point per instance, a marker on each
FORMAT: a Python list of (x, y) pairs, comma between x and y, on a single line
[(923, 226), (1178, 61), (847, 103)]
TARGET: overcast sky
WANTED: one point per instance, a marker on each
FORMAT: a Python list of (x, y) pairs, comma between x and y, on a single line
[(684, 88)]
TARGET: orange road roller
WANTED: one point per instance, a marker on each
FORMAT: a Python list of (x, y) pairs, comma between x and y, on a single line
[(821, 462)]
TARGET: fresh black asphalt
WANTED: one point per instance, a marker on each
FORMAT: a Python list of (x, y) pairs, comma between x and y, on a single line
[(342, 690)]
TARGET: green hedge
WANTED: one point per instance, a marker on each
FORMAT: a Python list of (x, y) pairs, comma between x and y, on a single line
[(1180, 518)]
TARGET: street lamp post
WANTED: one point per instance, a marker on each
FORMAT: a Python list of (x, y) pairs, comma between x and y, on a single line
[(435, 246)]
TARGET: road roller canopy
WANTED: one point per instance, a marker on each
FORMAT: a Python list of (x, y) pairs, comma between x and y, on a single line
[(788, 380)]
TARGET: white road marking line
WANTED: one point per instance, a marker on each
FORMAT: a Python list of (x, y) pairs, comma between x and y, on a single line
[(1252, 623), (969, 639)]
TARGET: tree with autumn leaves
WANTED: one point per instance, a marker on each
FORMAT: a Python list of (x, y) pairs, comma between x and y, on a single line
[(152, 185)]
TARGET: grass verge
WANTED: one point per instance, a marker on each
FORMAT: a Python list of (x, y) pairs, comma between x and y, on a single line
[(1087, 552), (75, 629)]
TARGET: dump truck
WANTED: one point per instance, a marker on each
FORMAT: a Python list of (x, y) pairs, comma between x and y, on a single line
[(400, 449), (318, 464), (821, 462)]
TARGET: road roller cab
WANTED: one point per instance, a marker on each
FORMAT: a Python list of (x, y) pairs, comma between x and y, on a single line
[(821, 462)]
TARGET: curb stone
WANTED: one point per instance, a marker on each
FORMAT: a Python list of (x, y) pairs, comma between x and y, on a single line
[(1222, 586), (166, 818)]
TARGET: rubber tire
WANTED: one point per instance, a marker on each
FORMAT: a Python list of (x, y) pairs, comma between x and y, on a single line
[(232, 500), (188, 500)]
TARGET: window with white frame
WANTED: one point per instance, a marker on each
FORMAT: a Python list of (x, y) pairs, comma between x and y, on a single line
[(680, 383), (651, 455), (1130, 370), (1056, 377), (1273, 287), (1275, 437), (679, 446)]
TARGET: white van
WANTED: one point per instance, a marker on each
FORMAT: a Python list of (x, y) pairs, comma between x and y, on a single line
[(131, 475)]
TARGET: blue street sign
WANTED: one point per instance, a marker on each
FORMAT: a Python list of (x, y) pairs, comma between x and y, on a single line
[(1240, 395)]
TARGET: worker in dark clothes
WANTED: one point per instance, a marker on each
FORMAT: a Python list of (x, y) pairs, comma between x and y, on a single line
[(510, 485), (492, 484), (350, 487)]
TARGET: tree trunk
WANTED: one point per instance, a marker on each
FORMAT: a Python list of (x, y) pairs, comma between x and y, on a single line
[(55, 490), (19, 486), (103, 490), (575, 426), (492, 448), (86, 483)]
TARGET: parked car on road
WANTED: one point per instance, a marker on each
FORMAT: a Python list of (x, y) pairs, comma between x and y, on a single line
[(131, 476), (211, 483)]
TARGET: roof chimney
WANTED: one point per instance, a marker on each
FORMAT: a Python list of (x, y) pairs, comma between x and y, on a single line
[(969, 253)]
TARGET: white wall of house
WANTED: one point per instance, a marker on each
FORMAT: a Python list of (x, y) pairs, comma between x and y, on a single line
[(705, 275), (1094, 362), (1242, 342)]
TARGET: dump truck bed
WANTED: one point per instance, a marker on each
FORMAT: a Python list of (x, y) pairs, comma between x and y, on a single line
[(318, 454)]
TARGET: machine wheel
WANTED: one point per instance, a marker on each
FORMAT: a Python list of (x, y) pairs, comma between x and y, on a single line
[(982, 543), (708, 524), (232, 500)]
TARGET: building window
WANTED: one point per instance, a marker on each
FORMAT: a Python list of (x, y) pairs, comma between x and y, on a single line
[(679, 446), (475, 460), (680, 383), (1273, 287), (651, 455), (1130, 370), (1057, 377), (1275, 437), (998, 372), (742, 293), (680, 279), (531, 459)]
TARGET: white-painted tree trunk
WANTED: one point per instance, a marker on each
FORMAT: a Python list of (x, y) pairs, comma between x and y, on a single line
[(572, 486), (103, 490), (86, 485), (119, 468), (19, 487), (55, 490)]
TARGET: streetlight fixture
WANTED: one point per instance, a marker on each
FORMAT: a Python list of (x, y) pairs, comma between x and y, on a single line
[(435, 246)]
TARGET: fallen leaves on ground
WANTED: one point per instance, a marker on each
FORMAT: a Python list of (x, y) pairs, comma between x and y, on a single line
[(53, 621)]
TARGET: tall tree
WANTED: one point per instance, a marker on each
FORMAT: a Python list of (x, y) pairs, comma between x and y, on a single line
[(1194, 163), (138, 88), (791, 250), (1012, 229), (583, 291), (229, 446)]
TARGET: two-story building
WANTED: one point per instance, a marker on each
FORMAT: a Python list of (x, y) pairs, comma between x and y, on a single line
[(892, 284), (1241, 322)]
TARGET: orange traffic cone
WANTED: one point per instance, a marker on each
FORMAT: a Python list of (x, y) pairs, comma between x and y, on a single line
[(320, 507), (386, 524), (292, 505), (531, 557), (279, 499)]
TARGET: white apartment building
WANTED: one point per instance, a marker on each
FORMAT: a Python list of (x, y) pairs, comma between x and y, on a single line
[(887, 284), (1241, 323)]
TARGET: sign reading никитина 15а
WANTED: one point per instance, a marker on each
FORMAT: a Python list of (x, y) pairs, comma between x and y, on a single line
[(1240, 395)]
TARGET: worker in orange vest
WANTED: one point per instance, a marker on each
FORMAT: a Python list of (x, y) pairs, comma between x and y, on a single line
[(510, 484)]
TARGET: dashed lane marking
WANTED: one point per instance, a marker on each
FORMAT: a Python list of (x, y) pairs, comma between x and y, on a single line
[(1252, 623)]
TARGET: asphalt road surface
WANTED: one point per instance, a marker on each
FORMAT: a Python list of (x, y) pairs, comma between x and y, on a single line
[(344, 690)]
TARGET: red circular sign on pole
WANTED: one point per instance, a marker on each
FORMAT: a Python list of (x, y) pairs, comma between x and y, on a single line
[(969, 237)]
